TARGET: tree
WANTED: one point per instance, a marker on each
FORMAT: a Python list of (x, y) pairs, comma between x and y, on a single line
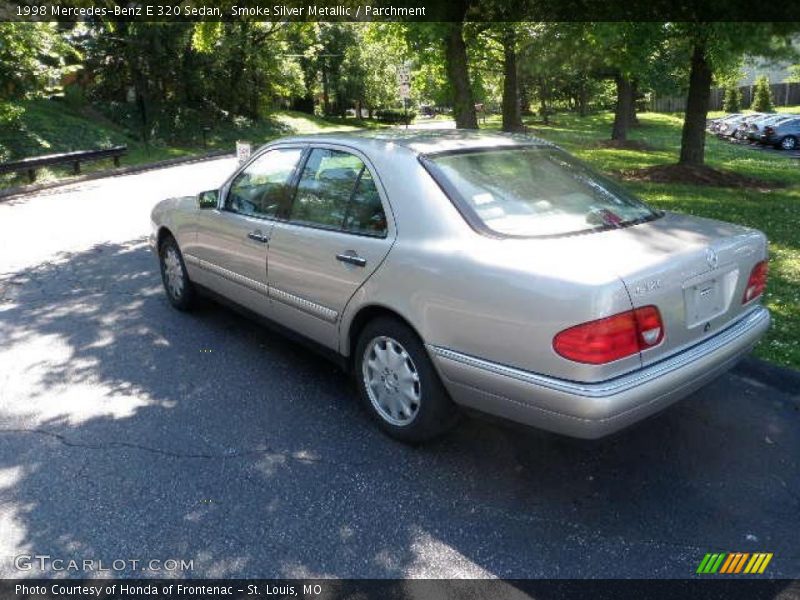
[(628, 54), (456, 66), (436, 43), (715, 47), (31, 56), (494, 64), (732, 101), (762, 96), (693, 137)]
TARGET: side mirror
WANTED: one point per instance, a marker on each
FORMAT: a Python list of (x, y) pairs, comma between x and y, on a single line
[(208, 199)]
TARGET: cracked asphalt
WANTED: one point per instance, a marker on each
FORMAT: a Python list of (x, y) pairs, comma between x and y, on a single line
[(131, 431)]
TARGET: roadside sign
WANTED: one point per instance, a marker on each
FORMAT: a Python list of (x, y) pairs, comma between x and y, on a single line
[(403, 75), (404, 82), (243, 150), (404, 90)]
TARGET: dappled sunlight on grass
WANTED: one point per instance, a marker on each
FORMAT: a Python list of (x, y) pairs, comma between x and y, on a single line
[(301, 123)]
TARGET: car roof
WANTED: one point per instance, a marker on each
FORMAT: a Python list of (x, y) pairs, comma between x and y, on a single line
[(420, 141)]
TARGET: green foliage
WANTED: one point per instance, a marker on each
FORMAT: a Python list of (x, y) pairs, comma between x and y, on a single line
[(762, 96), (395, 115), (732, 102), (10, 114), (32, 55)]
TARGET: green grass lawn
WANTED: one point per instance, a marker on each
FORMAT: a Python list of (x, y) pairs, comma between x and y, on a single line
[(776, 212), (48, 127)]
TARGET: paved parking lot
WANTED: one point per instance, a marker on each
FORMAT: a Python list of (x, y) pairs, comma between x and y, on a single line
[(131, 431), (772, 150)]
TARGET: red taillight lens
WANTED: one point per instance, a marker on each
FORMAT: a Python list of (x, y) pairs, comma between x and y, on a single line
[(757, 282), (612, 338), (768, 130)]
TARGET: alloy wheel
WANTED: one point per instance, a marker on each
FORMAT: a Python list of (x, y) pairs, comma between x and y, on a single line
[(173, 272), (391, 381)]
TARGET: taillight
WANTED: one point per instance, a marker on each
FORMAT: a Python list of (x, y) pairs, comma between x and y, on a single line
[(609, 339), (768, 130), (757, 282)]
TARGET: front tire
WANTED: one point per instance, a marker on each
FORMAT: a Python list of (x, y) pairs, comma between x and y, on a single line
[(789, 143), (398, 384), (179, 288)]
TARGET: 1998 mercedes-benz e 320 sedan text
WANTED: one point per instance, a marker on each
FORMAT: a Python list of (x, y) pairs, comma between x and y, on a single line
[(487, 271)]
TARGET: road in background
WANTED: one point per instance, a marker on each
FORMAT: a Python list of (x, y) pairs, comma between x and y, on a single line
[(133, 431)]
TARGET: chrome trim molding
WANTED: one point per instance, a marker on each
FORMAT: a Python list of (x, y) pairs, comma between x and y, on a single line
[(307, 306), (251, 284), (312, 308), (755, 318)]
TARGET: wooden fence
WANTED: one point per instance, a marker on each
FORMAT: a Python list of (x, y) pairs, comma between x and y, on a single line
[(783, 94)]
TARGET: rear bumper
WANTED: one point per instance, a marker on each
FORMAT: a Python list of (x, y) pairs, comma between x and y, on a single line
[(594, 410)]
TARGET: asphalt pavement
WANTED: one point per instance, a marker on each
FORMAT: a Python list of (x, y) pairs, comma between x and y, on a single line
[(130, 431)]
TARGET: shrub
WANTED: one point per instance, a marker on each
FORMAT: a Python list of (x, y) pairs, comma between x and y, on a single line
[(10, 114), (394, 115), (732, 102), (762, 96)]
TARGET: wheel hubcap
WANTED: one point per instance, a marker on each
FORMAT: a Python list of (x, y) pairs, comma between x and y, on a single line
[(391, 381), (788, 144), (173, 273)]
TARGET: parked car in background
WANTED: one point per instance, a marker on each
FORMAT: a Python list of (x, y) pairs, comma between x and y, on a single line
[(715, 124), (489, 271), (756, 127), (730, 126), (744, 126), (783, 135)]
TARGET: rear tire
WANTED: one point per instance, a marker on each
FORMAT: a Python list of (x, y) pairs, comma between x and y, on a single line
[(398, 383), (179, 288)]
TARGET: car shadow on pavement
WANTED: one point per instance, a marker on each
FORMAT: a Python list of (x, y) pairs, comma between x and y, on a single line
[(134, 431)]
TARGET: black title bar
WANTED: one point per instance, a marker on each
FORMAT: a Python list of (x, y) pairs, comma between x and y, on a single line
[(400, 10)]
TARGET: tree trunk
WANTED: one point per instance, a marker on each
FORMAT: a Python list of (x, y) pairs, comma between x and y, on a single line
[(583, 100), (622, 113), (512, 119), (693, 138), (544, 112), (326, 98), (458, 75), (524, 98), (633, 120)]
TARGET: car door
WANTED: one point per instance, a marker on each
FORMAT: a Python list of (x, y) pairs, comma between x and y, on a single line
[(231, 248), (338, 231)]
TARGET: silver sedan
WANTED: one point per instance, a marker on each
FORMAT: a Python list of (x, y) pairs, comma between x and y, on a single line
[(492, 272)]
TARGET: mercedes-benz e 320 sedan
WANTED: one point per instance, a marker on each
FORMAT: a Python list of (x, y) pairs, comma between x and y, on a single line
[(462, 269)]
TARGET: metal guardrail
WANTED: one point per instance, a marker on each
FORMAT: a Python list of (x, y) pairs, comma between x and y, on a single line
[(74, 158)]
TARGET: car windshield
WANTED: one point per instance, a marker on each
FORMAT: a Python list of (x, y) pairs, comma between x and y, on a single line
[(535, 192)]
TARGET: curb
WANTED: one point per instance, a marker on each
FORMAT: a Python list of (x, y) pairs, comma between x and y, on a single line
[(781, 378), (8, 193)]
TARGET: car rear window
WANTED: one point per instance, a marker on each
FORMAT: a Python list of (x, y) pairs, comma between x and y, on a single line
[(533, 191)]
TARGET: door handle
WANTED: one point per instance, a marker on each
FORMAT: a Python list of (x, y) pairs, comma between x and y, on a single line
[(258, 236), (352, 258)]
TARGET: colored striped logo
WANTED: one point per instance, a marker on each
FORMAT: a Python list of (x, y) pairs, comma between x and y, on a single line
[(734, 562)]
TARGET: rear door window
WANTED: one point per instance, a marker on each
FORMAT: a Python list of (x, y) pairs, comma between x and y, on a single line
[(337, 191)]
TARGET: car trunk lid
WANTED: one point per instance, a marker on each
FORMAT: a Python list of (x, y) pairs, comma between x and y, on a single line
[(693, 270)]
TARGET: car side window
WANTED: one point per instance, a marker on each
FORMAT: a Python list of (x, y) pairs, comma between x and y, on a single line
[(325, 186), (263, 186), (337, 191), (365, 214)]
